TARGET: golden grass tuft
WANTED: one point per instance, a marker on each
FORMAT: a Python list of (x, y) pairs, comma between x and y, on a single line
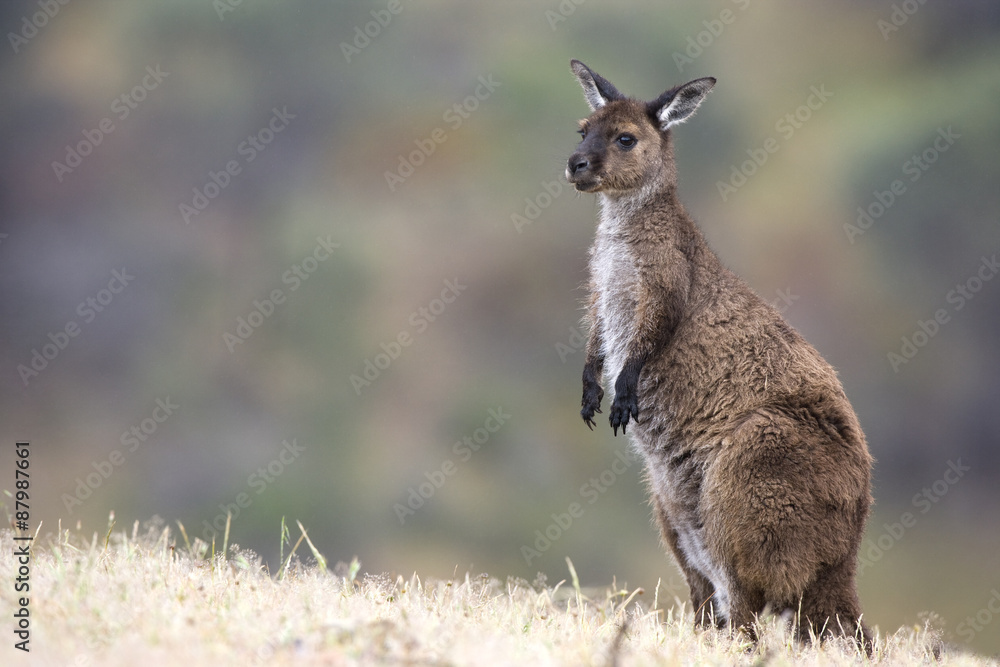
[(151, 597)]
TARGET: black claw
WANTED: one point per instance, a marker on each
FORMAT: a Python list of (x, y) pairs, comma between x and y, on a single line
[(592, 394), (615, 423), (626, 404), (622, 411)]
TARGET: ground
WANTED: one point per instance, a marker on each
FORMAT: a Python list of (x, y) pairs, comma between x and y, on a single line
[(151, 596)]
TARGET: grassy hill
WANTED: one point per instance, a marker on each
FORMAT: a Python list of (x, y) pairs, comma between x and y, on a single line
[(153, 596)]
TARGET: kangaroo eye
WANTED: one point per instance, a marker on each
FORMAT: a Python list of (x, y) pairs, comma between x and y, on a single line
[(626, 141), (582, 132)]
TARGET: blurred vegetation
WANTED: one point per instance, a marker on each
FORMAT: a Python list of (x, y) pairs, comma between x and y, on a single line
[(507, 342)]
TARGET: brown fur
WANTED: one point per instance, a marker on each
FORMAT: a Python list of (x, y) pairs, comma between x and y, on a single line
[(757, 467)]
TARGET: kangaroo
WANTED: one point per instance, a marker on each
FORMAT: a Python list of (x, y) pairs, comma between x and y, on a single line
[(757, 468)]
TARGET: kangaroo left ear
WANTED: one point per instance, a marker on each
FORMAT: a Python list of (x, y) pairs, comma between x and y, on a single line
[(678, 104)]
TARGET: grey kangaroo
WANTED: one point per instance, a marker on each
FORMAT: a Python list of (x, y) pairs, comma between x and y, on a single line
[(758, 471)]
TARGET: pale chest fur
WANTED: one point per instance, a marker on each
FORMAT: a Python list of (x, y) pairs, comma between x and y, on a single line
[(615, 279)]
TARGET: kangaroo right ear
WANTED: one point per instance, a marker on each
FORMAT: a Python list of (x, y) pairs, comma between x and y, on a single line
[(596, 88)]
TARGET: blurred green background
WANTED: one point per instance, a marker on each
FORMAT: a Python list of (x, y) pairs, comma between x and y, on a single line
[(451, 292)]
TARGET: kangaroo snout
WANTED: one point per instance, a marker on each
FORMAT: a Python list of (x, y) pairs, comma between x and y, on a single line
[(583, 172), (577, 165)]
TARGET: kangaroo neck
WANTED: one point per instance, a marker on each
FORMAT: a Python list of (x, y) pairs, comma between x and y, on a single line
[(647, 211)]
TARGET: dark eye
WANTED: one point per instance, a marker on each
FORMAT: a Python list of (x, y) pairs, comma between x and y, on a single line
[(582, 132), (626, 141)]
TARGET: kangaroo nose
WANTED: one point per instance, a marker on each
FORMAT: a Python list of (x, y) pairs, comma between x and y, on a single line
[(578, 164)]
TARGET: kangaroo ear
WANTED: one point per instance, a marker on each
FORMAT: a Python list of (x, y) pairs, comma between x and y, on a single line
[(678, 104), (596, 88)]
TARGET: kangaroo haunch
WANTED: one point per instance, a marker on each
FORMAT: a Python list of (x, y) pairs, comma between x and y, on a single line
[(757, 468)]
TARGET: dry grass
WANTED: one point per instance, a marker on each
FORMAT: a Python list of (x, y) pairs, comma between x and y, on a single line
[(152, 598)]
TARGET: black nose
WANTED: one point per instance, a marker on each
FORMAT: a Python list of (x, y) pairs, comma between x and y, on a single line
[(577, 164)]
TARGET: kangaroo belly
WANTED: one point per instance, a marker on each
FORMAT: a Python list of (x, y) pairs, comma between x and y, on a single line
[(678, 481), (691, 542)]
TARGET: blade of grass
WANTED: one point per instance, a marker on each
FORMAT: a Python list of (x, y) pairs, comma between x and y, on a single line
[(225, 539), (111, 526), (576, 582), (352, 570), (187, 542), (320, 558), (283, 570), (286, 538)]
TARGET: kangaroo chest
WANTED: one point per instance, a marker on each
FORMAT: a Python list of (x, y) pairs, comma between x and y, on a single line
[(615, 278)]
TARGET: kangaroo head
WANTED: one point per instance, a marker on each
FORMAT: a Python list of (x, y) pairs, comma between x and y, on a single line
[(626, 142)]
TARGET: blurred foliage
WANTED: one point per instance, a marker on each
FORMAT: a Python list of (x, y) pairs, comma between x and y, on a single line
[(508, 340)]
